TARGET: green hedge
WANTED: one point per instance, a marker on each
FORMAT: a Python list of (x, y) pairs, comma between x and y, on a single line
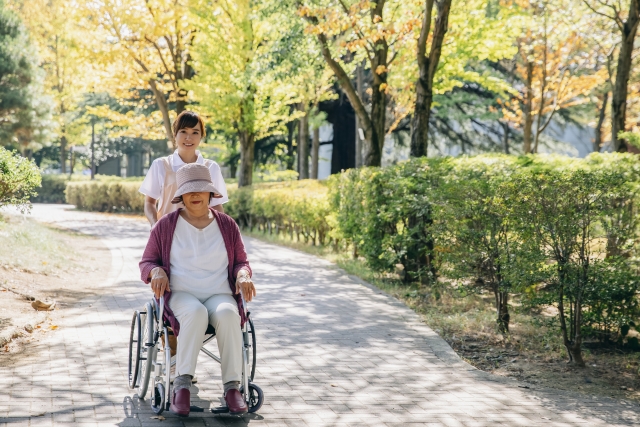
[(298, 208), (53, 187), (107, 194), (557, 231)]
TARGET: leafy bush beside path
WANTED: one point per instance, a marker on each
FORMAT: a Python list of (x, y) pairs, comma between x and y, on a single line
[(19, 179)]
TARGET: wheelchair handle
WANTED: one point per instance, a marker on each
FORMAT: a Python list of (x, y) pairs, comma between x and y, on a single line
[(161, 310)]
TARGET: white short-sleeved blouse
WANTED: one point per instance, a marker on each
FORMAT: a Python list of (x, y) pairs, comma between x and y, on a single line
[(153, 182), (199, 261)]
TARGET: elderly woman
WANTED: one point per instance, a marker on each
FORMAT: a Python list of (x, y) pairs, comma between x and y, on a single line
[(195, 257)]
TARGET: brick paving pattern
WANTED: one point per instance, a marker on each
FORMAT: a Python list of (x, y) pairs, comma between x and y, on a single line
[(332, 351)]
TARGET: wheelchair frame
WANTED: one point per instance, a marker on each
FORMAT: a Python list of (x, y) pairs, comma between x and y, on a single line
[(144, 345)]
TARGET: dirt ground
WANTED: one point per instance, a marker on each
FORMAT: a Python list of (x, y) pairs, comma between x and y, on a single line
[(63, 268), (609, 371)]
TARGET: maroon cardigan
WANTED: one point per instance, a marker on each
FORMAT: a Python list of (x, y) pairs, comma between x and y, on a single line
[(158, 252)]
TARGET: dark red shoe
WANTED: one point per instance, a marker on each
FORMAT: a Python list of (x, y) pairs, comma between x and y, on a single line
[(235, 403), (181, 403)]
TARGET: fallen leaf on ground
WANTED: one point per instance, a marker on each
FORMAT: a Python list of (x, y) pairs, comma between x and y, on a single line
[(53, 327), (159, 417), (43, 306)]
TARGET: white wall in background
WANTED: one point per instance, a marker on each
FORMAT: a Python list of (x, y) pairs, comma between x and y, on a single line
[(325, 151)]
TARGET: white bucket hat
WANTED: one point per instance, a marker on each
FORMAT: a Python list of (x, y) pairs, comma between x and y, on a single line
[(194, 178)]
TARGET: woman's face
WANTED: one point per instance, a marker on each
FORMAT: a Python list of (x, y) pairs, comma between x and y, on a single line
[(196, 202), (188, 139)]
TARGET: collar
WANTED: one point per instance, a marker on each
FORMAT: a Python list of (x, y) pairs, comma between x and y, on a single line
[(178, 162)]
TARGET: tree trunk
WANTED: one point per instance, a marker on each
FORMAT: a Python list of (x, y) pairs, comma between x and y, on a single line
[(597, 142), (372, 124), (505, 136), (247, 151), (186, 73), (182, 98), (290, 149), (303, 145), (360, 89), (63, 153), (620, 89), (502, 308), (164, 109), (528, 108), (315, 150), (427, 67)]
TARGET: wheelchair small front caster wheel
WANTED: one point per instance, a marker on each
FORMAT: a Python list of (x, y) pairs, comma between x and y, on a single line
[(255, 398), (158, 399)]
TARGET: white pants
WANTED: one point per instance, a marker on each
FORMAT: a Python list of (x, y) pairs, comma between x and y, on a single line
[(221, 311)]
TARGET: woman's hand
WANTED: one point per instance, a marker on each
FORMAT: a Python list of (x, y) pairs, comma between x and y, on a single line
[(244, 284), (159, 282)]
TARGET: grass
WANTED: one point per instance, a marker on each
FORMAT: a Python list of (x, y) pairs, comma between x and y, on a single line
[(33, 247)]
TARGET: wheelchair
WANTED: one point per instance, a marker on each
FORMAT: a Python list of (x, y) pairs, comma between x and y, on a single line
[(150, 359)]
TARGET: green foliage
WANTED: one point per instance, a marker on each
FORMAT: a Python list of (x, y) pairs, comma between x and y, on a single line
[(561, 212), (24, 112), (53, 187), (19, 178), (108, 194), (474, 236), (298, 208)]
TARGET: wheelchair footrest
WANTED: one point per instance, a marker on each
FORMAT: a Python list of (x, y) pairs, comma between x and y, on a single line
[(220, 410), (196, 408)]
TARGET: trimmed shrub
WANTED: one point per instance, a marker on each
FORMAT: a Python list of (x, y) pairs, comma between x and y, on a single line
[(106, 195), (561, 214), (299, 208), (19, 178), (474, 237), (53, 187)]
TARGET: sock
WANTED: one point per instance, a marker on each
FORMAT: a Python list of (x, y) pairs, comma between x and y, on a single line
[(231, 384), (181, 381)]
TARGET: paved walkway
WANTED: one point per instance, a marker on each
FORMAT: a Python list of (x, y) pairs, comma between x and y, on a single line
[(331, 352)]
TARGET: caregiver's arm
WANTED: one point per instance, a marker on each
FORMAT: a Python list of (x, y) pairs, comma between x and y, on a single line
[(150, 210)]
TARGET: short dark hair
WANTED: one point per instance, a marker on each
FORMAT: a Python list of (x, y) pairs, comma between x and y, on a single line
[(188, 119)]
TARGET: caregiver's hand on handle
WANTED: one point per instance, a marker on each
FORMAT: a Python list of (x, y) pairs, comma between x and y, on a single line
[(159, 282), (244, 284)]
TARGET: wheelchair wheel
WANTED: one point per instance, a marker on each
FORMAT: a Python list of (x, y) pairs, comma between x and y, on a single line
[(255, 397), (158, 399), (135, 341), (147, 350), (253, 352)]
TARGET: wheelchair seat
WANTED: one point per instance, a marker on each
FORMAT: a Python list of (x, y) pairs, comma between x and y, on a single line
[(210, 329)]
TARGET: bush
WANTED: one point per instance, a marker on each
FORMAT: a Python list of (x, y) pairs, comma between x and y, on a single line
[(299, 208), (562, 215), (107, 194), (19, 178), (473, 233), (53, 187), (386, 214)]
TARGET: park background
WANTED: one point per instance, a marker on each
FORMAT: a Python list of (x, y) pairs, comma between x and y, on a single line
[(475, 159)]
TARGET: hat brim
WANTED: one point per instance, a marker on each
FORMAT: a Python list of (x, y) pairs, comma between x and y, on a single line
[(196, 187)]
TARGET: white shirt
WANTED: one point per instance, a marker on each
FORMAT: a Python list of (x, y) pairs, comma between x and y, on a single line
[(199, 261), (153, 182)]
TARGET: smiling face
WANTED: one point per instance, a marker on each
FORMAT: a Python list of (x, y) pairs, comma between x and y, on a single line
[(188, 139), (196, 203)]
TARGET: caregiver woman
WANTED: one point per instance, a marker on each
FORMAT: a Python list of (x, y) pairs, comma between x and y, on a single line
[(195, 257), (159, 186)]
